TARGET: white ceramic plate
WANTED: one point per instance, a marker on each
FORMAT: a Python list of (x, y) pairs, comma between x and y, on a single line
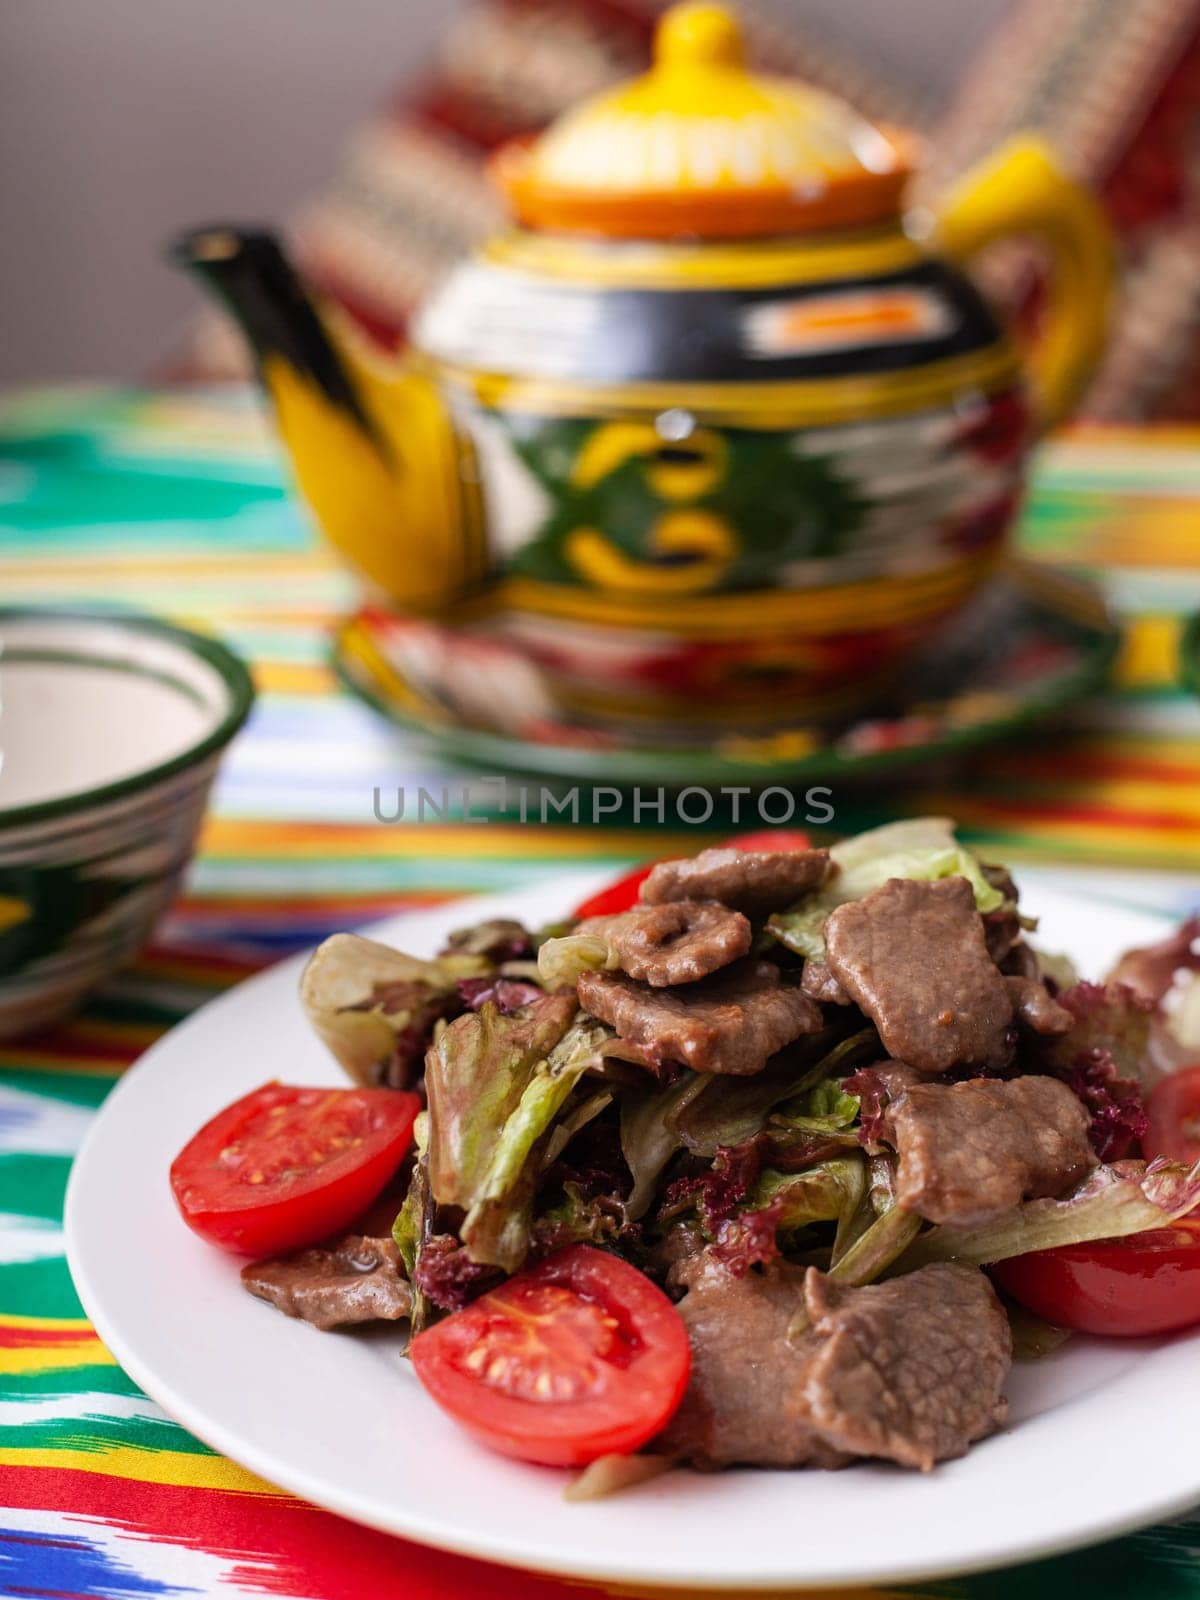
[(1102, 1436)]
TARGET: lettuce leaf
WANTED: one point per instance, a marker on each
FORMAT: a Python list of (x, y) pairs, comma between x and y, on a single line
[(732, 1110), (1114, 1201), (373, 1007), (650, 1134), (475, 1077), (882, 1243), (560, 962), (923, 848), (482, 1150), (781, 1203), (829, 1192), (826, 1108)]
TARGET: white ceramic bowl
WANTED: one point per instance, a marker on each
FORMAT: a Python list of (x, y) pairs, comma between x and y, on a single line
[(111, 729)]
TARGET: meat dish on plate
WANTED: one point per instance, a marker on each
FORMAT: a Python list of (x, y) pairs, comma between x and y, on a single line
[(767, 1157)]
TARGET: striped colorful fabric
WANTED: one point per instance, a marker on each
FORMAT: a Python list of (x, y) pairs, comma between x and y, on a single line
[(176, 503)]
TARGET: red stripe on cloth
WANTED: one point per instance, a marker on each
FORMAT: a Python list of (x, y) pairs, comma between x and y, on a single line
[(281, 1546)]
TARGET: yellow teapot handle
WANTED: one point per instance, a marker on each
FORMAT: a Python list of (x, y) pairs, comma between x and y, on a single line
[(1020, 189)]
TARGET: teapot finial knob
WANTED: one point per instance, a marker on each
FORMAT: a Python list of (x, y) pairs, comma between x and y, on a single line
[(699, 34)]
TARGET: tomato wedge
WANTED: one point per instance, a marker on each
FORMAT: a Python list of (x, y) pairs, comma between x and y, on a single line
[(622, 893), (619, 895), (770, 839), (1174, 1117), (575, 1358), (1144, 1284), (285, 1167)]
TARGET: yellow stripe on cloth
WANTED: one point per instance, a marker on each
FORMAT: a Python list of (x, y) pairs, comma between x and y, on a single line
[(71, 1342), (178, 1468), (1149, 655)]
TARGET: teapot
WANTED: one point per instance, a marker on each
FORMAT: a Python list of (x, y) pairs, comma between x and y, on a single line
[(714, 424)]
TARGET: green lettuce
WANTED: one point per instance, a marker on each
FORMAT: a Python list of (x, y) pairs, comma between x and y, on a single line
[(476, 1075), (831, 1191), (561, 962), (650, 1134), (876, 1247), (1114, 1201), (496, 1228), (923, 848), (362, 998)]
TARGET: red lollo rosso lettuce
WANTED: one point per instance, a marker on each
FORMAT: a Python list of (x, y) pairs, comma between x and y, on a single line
[(873, 1096), (1115, 1104), (718, 1192), (506, 994), (447, 1276), (1111, 1018), (1102, 1059), (750, 1239)]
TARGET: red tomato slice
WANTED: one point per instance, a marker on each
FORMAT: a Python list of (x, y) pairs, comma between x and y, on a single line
[(622, 893), (577, 1357), (1174, 1117), (284, 1167), (770, 839), (1147, 1283)]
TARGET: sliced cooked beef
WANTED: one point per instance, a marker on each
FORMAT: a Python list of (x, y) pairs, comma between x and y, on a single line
[(1021, 961), (818, 981), (676, 943), (913, 956), (359, 1280), (745, 1403), (501, 939), (971, 1151), (753, 881), (909, 1370), (1036, 1008), (733, 1022)]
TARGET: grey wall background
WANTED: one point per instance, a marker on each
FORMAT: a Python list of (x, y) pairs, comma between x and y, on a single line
[(122, 120)]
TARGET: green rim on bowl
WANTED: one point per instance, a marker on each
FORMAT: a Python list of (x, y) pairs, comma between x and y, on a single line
[(1035, 642), (231, 670)]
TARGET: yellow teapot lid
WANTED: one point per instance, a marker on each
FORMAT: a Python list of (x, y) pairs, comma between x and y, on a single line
[(700, 145)]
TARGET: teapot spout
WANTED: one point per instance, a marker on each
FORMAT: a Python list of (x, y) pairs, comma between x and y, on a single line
[(372, 446)]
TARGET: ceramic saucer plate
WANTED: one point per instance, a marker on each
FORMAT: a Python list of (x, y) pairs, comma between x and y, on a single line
[(1028, 647), (111, 729)]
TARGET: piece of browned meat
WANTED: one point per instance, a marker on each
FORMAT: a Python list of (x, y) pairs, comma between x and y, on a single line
[(912, 956), (358, 1280), (971, 1151), (909, 1370), (676, 943), (818, 981), (753, 881), (1036, 1008), (744, 1404), (732, 1023)]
